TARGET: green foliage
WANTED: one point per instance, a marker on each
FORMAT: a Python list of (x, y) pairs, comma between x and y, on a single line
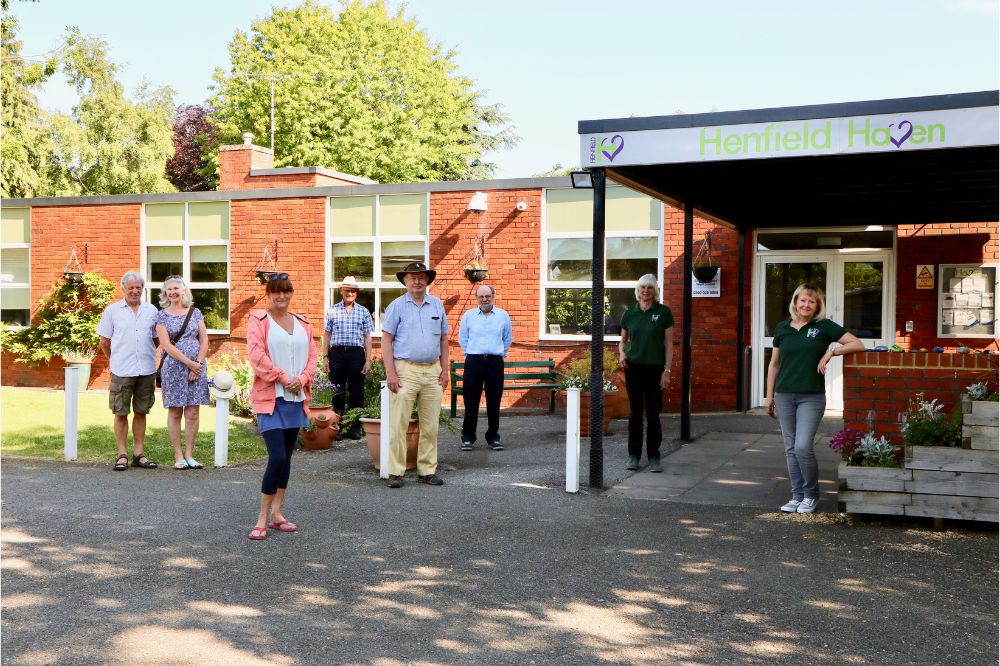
[(240, 404), (362, 92), (575, 373), (108, 145), (24, 140), (66, 320), (928, 425), (981, 391), (872, 451)]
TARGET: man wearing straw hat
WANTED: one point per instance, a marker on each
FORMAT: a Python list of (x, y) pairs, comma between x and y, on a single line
[(347, 339), (415, 352)]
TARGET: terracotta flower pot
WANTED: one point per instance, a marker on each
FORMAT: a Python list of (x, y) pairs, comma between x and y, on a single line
[(327, 424), (373, 437)]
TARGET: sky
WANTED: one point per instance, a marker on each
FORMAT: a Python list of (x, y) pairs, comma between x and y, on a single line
[(551, 64)]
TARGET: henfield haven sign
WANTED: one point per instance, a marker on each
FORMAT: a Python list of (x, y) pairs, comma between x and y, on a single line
[(952, 128)]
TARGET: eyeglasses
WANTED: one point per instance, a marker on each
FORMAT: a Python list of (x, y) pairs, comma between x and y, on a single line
[(277, 276)]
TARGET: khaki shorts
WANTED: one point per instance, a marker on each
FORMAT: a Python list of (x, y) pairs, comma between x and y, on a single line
[(135, 394)]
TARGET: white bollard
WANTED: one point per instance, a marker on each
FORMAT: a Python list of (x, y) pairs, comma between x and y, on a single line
[(385, 430), (70, 426), (573, 440), (221, 432)]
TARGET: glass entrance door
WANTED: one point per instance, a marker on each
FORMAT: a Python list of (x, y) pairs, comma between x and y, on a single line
[(856, 287)]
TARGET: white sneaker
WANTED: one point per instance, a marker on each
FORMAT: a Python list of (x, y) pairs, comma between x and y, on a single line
[(791, 506), (807, 505)]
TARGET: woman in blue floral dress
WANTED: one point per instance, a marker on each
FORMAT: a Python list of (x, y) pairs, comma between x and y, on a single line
[(184, 376)]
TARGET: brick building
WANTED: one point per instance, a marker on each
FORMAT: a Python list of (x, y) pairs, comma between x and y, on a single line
[(320, 225)]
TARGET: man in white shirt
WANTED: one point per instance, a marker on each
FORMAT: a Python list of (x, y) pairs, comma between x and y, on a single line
[(126, 331)]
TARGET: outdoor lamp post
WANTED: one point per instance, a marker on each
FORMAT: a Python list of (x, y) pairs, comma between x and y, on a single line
[(596, 180)]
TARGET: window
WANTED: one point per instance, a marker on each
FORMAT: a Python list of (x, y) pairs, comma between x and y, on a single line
[(371, 239), (191, 240), (633, 248), (966, 307), (15, 266)]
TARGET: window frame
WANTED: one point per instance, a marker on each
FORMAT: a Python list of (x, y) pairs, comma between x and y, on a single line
[(545, 283), (186, 246), (376, 284), (941, 292), (20, 285)]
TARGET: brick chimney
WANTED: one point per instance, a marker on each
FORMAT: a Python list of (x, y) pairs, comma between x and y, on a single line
[(235, 163)]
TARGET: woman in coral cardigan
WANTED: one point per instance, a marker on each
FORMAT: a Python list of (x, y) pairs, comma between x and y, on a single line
[(283, 358)]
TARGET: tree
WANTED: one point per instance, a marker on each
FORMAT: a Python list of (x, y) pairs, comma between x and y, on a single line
[(24, 141), (109, 145), (187, 170), (362, 92)]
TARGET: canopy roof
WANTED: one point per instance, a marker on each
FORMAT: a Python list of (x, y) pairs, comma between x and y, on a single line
[(897, 161)]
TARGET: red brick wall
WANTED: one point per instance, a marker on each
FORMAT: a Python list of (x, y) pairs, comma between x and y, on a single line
[(106, 238), (883, 383), (235, 163), (934, 244)]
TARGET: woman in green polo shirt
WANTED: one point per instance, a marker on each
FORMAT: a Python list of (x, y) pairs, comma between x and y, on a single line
[(796, 386), (645, 352)]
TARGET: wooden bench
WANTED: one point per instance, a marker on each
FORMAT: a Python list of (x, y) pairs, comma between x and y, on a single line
[(517, 376)]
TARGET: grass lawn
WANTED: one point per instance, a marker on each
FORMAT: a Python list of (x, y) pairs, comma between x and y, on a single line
[(31, 424)]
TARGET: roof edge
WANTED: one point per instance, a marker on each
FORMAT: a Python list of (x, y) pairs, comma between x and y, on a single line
[(786, 113)]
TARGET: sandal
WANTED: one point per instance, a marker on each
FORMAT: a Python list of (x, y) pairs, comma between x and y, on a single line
[(284, 525), (142, 461), (257, 534), (121, 463), (181, 464), (194, 464)]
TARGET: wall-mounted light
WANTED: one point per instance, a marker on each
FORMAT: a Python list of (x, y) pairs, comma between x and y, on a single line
[(582, 180), (477, 202), (521, 206)]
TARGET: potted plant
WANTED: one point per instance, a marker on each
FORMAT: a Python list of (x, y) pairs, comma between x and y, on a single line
[(926, 424), (705, 269), (324, 423), (980, 418), (476, 271), (575, 373), (871, 477), (65, 325), (370, 417)]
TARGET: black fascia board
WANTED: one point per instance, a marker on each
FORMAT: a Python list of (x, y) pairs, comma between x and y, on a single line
[(787, 113)]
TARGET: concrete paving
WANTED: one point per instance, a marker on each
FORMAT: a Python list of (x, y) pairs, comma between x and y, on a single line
[(498, 566)]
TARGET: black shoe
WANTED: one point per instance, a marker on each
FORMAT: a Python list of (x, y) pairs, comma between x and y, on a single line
[(496, 445), (467, 444), (394, 481), (430, 480)]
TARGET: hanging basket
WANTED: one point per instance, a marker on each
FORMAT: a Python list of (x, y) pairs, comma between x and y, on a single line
[(475, 275), (73, 277), (705, 274)]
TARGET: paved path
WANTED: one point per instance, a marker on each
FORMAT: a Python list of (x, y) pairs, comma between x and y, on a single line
[(498, 566)]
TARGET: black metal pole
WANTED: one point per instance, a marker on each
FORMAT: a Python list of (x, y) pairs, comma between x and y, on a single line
[(597, 337), (741, 272), (686, 341)]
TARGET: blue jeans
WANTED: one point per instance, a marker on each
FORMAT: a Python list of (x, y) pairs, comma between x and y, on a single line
[(799, 415)]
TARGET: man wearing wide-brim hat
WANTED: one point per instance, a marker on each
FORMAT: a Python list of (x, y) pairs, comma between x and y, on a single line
[(347, 339), (415, 352)]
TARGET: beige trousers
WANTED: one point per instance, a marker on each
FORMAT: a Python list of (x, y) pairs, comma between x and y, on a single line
[(418, 384)]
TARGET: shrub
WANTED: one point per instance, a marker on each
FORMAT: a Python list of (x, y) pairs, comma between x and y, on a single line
[(876, 452), (928, 425), (575, 373), (981, 391)]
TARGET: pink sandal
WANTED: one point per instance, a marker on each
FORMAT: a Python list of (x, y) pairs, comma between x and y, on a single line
[(258, 534), (284, 525)]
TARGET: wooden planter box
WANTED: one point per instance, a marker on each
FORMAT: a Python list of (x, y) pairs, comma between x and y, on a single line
[(934, 482), (980, 421)]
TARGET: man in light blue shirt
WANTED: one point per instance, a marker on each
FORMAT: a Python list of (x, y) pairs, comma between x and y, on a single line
[(485, 334), (126, 331), (415, 353)]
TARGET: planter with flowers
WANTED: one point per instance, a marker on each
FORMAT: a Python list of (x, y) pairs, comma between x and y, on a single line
[(575, 373), (324, 423), (980, 417), (938, 479)]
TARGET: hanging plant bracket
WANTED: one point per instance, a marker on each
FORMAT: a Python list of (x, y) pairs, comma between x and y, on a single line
[(263, 273), (74, 276), (475, 266), (705, 269)]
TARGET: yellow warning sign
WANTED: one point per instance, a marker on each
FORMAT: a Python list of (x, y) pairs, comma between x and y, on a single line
[(925, 276)]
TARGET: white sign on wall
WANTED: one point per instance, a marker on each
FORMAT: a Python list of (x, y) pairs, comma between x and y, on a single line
[(711, 289), (923, 130)]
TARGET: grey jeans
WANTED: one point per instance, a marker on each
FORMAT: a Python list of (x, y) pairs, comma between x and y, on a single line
[(799, 415)]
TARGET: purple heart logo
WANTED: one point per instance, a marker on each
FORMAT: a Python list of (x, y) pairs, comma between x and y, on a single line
[(617, 142), (906, 135)]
